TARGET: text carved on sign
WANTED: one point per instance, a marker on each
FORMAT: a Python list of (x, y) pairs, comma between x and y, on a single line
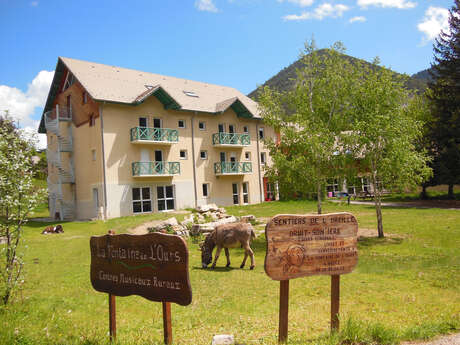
[(154, 266), (305, 245)]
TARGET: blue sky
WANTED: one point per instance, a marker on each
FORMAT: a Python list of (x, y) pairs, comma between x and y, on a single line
[(238, 43)]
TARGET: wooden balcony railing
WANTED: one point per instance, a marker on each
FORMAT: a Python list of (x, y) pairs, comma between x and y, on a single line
[(145, 169), (232, 168), (148, 134), (231, 139)]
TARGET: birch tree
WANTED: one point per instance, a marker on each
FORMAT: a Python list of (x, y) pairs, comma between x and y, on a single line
[(387, 127), (311, 120)]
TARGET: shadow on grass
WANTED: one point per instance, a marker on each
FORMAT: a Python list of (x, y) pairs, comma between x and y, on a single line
[(376, 241), (216, 269)]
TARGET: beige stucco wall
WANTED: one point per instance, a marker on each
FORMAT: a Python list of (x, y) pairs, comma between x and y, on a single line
[(88, 171), (120, 153)]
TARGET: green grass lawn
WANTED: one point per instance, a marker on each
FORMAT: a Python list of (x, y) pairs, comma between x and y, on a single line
[(404, 287)]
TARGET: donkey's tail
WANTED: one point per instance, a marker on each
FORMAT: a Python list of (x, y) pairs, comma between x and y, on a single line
[(253, 234)]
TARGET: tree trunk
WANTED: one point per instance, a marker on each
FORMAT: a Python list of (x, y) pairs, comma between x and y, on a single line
[(423, 194), (450, 193), (378, 206), (319, 197)]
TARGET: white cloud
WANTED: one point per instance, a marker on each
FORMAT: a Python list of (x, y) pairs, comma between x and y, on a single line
[(358, 19), (34, 3), (205, 5), (401, 4), (435, 20), (320, 12), (21, 105), (301, 3)]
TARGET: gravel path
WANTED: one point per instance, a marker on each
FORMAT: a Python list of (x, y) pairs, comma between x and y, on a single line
[(453, 339)]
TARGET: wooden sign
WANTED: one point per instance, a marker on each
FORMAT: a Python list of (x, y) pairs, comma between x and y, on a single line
[(154, 266), (305, 245)]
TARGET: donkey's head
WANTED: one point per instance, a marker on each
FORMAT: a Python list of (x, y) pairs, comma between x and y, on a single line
[(206, 251)]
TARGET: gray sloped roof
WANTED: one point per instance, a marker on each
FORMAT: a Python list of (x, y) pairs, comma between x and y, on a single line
[(127, 86)]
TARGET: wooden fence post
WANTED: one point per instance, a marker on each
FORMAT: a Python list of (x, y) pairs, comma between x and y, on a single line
[(284, 309), (167, 327), (335, 302)]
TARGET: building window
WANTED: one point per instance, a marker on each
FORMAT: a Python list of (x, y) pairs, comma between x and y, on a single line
[(165, 197), (270, 192), (263, 158), (202, 126), (261, 132), (332, 186), (142, 202), (183, 154), (246, 129), (93, 154), (245, 192), (68, 81), (181, 123), (236, 197), (84, 97), (206, 189), (247, 155), (92, 120), (204, 154), (142, 122)]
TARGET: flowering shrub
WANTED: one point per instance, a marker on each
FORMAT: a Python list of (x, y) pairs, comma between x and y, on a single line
[(18, 196)]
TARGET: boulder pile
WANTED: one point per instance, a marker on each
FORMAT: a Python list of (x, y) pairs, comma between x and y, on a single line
[(204, 219)]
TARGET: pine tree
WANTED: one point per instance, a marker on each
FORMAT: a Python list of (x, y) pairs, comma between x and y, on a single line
[(444, 92)]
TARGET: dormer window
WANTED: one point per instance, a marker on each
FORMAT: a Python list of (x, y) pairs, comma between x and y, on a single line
[(191, 94)]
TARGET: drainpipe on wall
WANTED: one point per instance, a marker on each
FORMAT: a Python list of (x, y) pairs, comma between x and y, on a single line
[(101, 107), (193, 160), (258, 164)]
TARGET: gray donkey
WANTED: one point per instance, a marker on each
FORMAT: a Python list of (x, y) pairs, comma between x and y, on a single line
[(232, 235)]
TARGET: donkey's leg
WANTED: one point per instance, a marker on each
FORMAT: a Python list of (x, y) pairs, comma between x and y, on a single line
[(219, 248), (244, 260), (249, 251), (227, 254)]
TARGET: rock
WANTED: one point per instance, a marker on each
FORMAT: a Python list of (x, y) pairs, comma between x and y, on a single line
[(223, 339), (195, 230), (203, 208), (187, 220), (2, 240), (248, 219), (213, 207), (221, 210), (214, 216), (171, 221)]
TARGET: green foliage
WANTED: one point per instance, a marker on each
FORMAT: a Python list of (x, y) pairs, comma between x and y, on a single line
[(285, 79), (444, 92), (386, 127), (395, 289), (18, 197), (311, 119)]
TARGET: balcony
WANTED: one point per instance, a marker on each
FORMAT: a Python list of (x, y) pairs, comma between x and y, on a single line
[(231, 140), (155, 169), (159, 136), (232, 168)]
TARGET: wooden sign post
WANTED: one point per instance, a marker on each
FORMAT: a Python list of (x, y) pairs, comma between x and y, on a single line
[(154, 266), (306, 245)]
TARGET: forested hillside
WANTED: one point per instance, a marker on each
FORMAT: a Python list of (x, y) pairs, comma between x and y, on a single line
[(285, 79)]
